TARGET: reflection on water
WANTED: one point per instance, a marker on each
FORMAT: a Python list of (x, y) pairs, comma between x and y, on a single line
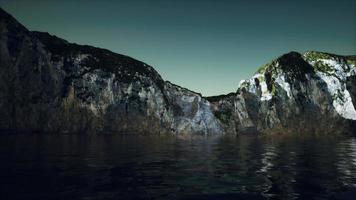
[(167, 167), (346, 165)]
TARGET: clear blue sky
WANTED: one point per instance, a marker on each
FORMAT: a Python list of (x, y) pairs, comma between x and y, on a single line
[(207, 46)]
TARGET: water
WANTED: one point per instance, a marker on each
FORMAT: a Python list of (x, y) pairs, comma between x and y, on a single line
[(167, 167)]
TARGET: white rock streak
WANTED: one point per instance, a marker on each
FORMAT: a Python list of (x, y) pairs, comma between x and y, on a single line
[(336, 83), (251, 86), (281, 81), (266, 95)]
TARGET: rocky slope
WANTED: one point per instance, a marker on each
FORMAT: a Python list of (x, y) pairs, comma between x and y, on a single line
[(314, 92), (50, 85)]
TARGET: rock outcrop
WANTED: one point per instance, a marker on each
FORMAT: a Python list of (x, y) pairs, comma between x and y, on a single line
[(50, 85), (314, 93)]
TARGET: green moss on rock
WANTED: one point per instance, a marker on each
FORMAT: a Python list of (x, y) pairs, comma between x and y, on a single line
[(322, 67), (314, 56), (263, 68), (351, 60)]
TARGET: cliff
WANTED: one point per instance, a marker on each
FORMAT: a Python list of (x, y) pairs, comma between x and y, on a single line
[(50, 85)]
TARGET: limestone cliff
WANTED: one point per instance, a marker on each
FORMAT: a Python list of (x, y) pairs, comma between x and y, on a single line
[(50, 85), (314, 92)]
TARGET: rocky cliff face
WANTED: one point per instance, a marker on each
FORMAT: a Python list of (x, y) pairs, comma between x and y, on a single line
[(50, 85), (314, 92)]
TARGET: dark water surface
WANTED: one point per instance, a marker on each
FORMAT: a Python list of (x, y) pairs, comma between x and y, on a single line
[(167, 167)]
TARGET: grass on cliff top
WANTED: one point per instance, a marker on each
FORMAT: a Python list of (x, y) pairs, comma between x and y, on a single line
[(263, 68), (313, 56), (310, 56), (351, 60)]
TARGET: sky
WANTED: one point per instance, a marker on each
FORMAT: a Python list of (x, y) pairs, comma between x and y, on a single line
[(204, 45)]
